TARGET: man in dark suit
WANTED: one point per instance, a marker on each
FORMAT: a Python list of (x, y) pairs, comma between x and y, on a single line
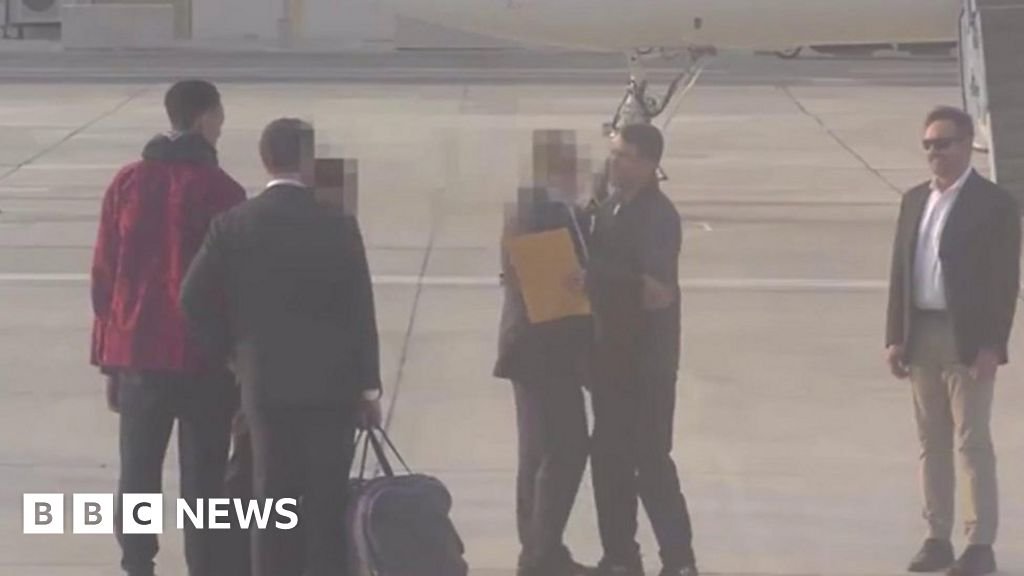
[(952, 298), (546, 363), (281, 287), (633, 282)]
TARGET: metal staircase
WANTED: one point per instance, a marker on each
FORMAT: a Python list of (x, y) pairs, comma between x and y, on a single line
[(992, 39)]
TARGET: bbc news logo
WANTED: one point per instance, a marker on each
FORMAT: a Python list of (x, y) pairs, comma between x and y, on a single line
[(144, 513)]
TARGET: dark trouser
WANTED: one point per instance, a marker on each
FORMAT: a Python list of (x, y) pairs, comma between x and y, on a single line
[(305, 454), (631, 457), (238, 481), (553, 449), (150, 402)]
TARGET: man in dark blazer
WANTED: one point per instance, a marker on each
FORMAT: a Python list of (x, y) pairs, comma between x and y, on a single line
[(633, 283), (952, 298), (546, 364), (281, 289)]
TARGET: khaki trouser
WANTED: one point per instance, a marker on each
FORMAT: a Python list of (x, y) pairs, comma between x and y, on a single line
[(950, 405)]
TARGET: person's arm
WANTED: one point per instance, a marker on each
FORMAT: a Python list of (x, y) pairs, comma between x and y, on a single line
[(203, 294), (895, 354), (104, 270), (1004, 280), (364, 307), (367, 354)]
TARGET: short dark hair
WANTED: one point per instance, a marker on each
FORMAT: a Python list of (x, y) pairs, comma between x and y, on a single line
[(283, 143), (962, 120), (187, 100), (647, 139)]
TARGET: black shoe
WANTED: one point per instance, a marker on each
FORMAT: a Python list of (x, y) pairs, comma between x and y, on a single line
[(609, 568), (976, 560), (935, 556), (690, 570), (576, 569), (569, 568)]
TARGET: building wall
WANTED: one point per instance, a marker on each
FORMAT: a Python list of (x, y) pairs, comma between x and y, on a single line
[(356, 21), (182, 12), (236, 19)]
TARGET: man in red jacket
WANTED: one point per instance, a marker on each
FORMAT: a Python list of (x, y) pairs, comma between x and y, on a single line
[(154, 218)]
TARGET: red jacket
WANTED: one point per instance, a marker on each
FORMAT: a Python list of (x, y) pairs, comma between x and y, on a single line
[(155, 216)]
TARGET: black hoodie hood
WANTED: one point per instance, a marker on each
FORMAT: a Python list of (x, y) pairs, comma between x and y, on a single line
[(188, 148)]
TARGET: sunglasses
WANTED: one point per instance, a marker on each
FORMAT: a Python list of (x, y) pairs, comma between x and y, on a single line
[(939, 144)]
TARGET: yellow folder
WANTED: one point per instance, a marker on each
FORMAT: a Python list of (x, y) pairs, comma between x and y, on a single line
[(543, 262)]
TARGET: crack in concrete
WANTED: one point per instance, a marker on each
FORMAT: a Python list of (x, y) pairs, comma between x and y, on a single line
[(832, 134), (67, 137)]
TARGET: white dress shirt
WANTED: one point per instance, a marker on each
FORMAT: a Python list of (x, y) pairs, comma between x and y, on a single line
[(929, 282), (287, 180)]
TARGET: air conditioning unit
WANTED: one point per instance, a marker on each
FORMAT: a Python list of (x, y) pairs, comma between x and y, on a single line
[(35, 11)]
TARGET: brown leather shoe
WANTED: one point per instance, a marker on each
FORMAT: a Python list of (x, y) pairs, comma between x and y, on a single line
[(976, 560), (935, 556)]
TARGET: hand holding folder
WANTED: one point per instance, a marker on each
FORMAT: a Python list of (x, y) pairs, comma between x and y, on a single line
[(543, 263)]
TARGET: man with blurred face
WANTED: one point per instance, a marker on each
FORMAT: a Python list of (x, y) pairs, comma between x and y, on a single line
[(952, 299), (281, 288), (154, 216), (546, 363), (632, 279)]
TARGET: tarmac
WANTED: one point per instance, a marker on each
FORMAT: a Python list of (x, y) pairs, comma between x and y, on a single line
[(797, 450)]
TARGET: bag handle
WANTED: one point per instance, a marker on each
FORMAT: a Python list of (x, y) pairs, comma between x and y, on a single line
[(370, 441)]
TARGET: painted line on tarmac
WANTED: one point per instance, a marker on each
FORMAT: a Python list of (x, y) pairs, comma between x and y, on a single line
[(695, 284)]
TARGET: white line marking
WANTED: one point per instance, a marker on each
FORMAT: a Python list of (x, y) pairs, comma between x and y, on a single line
[(437, 281), (43, 278), (38, 165), (730, 284)]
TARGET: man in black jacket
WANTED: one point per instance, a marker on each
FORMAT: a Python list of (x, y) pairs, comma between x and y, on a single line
[(281, 289), (952, 298), (546, 363), (633, 281)]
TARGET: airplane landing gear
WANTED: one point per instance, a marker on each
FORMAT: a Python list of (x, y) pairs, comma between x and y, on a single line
[(640, 107)]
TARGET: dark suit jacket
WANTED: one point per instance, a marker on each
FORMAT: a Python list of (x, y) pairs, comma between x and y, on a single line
[(281, 287), (551, 350), (644, 237), (980, 254)]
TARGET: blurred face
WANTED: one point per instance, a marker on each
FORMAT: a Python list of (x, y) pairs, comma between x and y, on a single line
[(307, 169), (307, 158), (627, 169), (949, 152), (210, 124), (555, 168)]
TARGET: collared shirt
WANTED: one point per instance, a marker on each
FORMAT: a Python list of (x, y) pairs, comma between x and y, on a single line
[(929, 282), (287, 180)]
